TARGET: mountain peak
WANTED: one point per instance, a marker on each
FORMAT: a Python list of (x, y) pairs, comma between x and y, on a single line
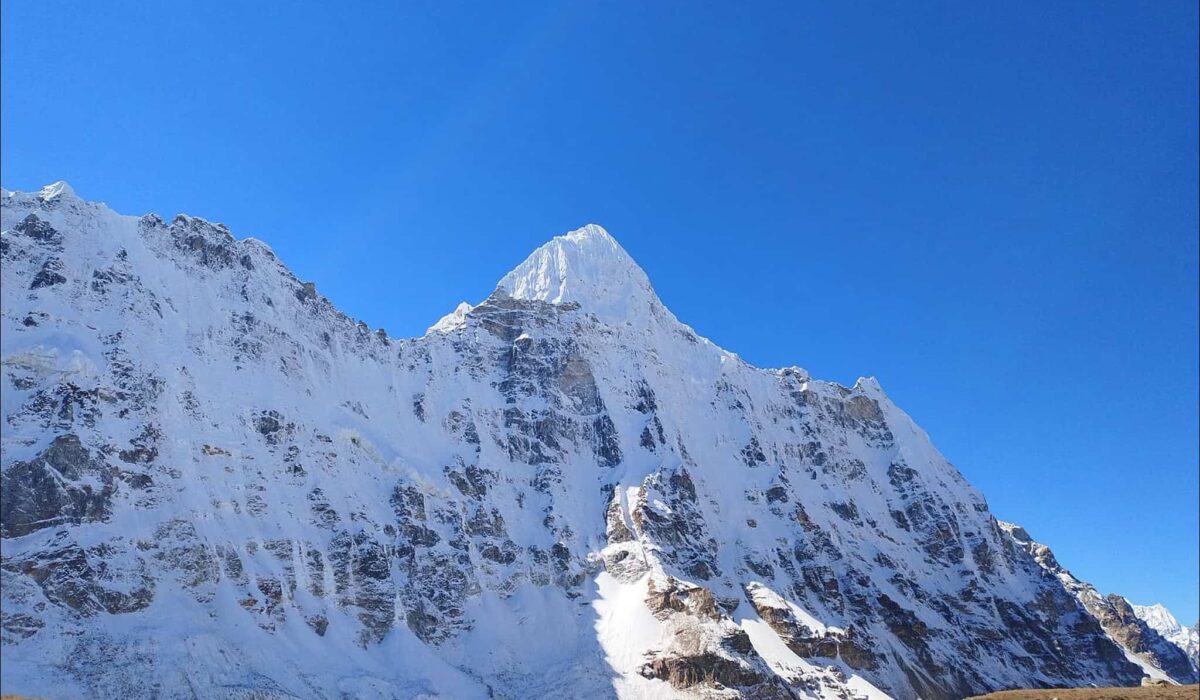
[(1157, 616), (585, 266), (591, 232), (56, 189)]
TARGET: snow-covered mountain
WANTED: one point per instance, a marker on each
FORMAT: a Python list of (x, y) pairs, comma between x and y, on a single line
[(1162, 621), (217, 484)]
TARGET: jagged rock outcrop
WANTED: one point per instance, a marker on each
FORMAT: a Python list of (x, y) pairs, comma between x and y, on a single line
[(216, 483)]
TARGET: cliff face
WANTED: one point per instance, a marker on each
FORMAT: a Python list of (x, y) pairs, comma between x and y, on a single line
[(216, 482)]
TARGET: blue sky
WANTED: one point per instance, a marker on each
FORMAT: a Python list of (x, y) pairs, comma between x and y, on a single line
[(990, 207)]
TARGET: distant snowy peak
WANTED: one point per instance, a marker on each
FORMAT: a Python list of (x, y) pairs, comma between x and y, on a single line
[(586, 267), (56, 189), (1158, 618)]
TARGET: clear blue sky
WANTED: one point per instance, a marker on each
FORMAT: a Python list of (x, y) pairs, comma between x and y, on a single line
[(992, 207)]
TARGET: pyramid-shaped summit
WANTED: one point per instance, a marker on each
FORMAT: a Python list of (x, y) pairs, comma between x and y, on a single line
[(587, 267)]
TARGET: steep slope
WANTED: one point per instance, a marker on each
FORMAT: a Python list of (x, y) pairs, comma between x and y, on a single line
[(1158, 656), (214, 482), (1162, 621)]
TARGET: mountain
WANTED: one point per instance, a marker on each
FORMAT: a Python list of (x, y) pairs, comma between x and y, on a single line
[(1161, 658), (1162, 621), (217, 484)]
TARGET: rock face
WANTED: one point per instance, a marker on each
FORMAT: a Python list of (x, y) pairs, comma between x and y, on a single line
[(63, 485), (215, 483)]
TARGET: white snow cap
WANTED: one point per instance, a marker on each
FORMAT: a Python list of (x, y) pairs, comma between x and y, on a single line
[(586, 266), (1157, 616), (452, 320), (56, 189)]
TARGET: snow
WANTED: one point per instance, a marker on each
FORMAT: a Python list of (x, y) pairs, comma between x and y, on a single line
[(56, 189), (223, 343), (627, 630), (760, 593), (1146, 666), (1162, 621), (454, 319), (1158, 617), (585, 266), (787, 664)]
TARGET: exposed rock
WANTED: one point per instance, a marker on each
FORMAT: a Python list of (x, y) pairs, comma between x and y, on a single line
[(50, 275), (87, 581), (63, 485), (672, 595)]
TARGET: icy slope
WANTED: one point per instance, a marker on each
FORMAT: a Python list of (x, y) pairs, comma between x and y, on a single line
[(215, 483)]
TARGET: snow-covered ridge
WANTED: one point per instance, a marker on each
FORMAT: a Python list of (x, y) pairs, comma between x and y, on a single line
[(218, 483)]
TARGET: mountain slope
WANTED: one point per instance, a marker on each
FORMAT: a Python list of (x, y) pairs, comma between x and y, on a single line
[(1158, 656), (1162, 621), (216, 482)]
